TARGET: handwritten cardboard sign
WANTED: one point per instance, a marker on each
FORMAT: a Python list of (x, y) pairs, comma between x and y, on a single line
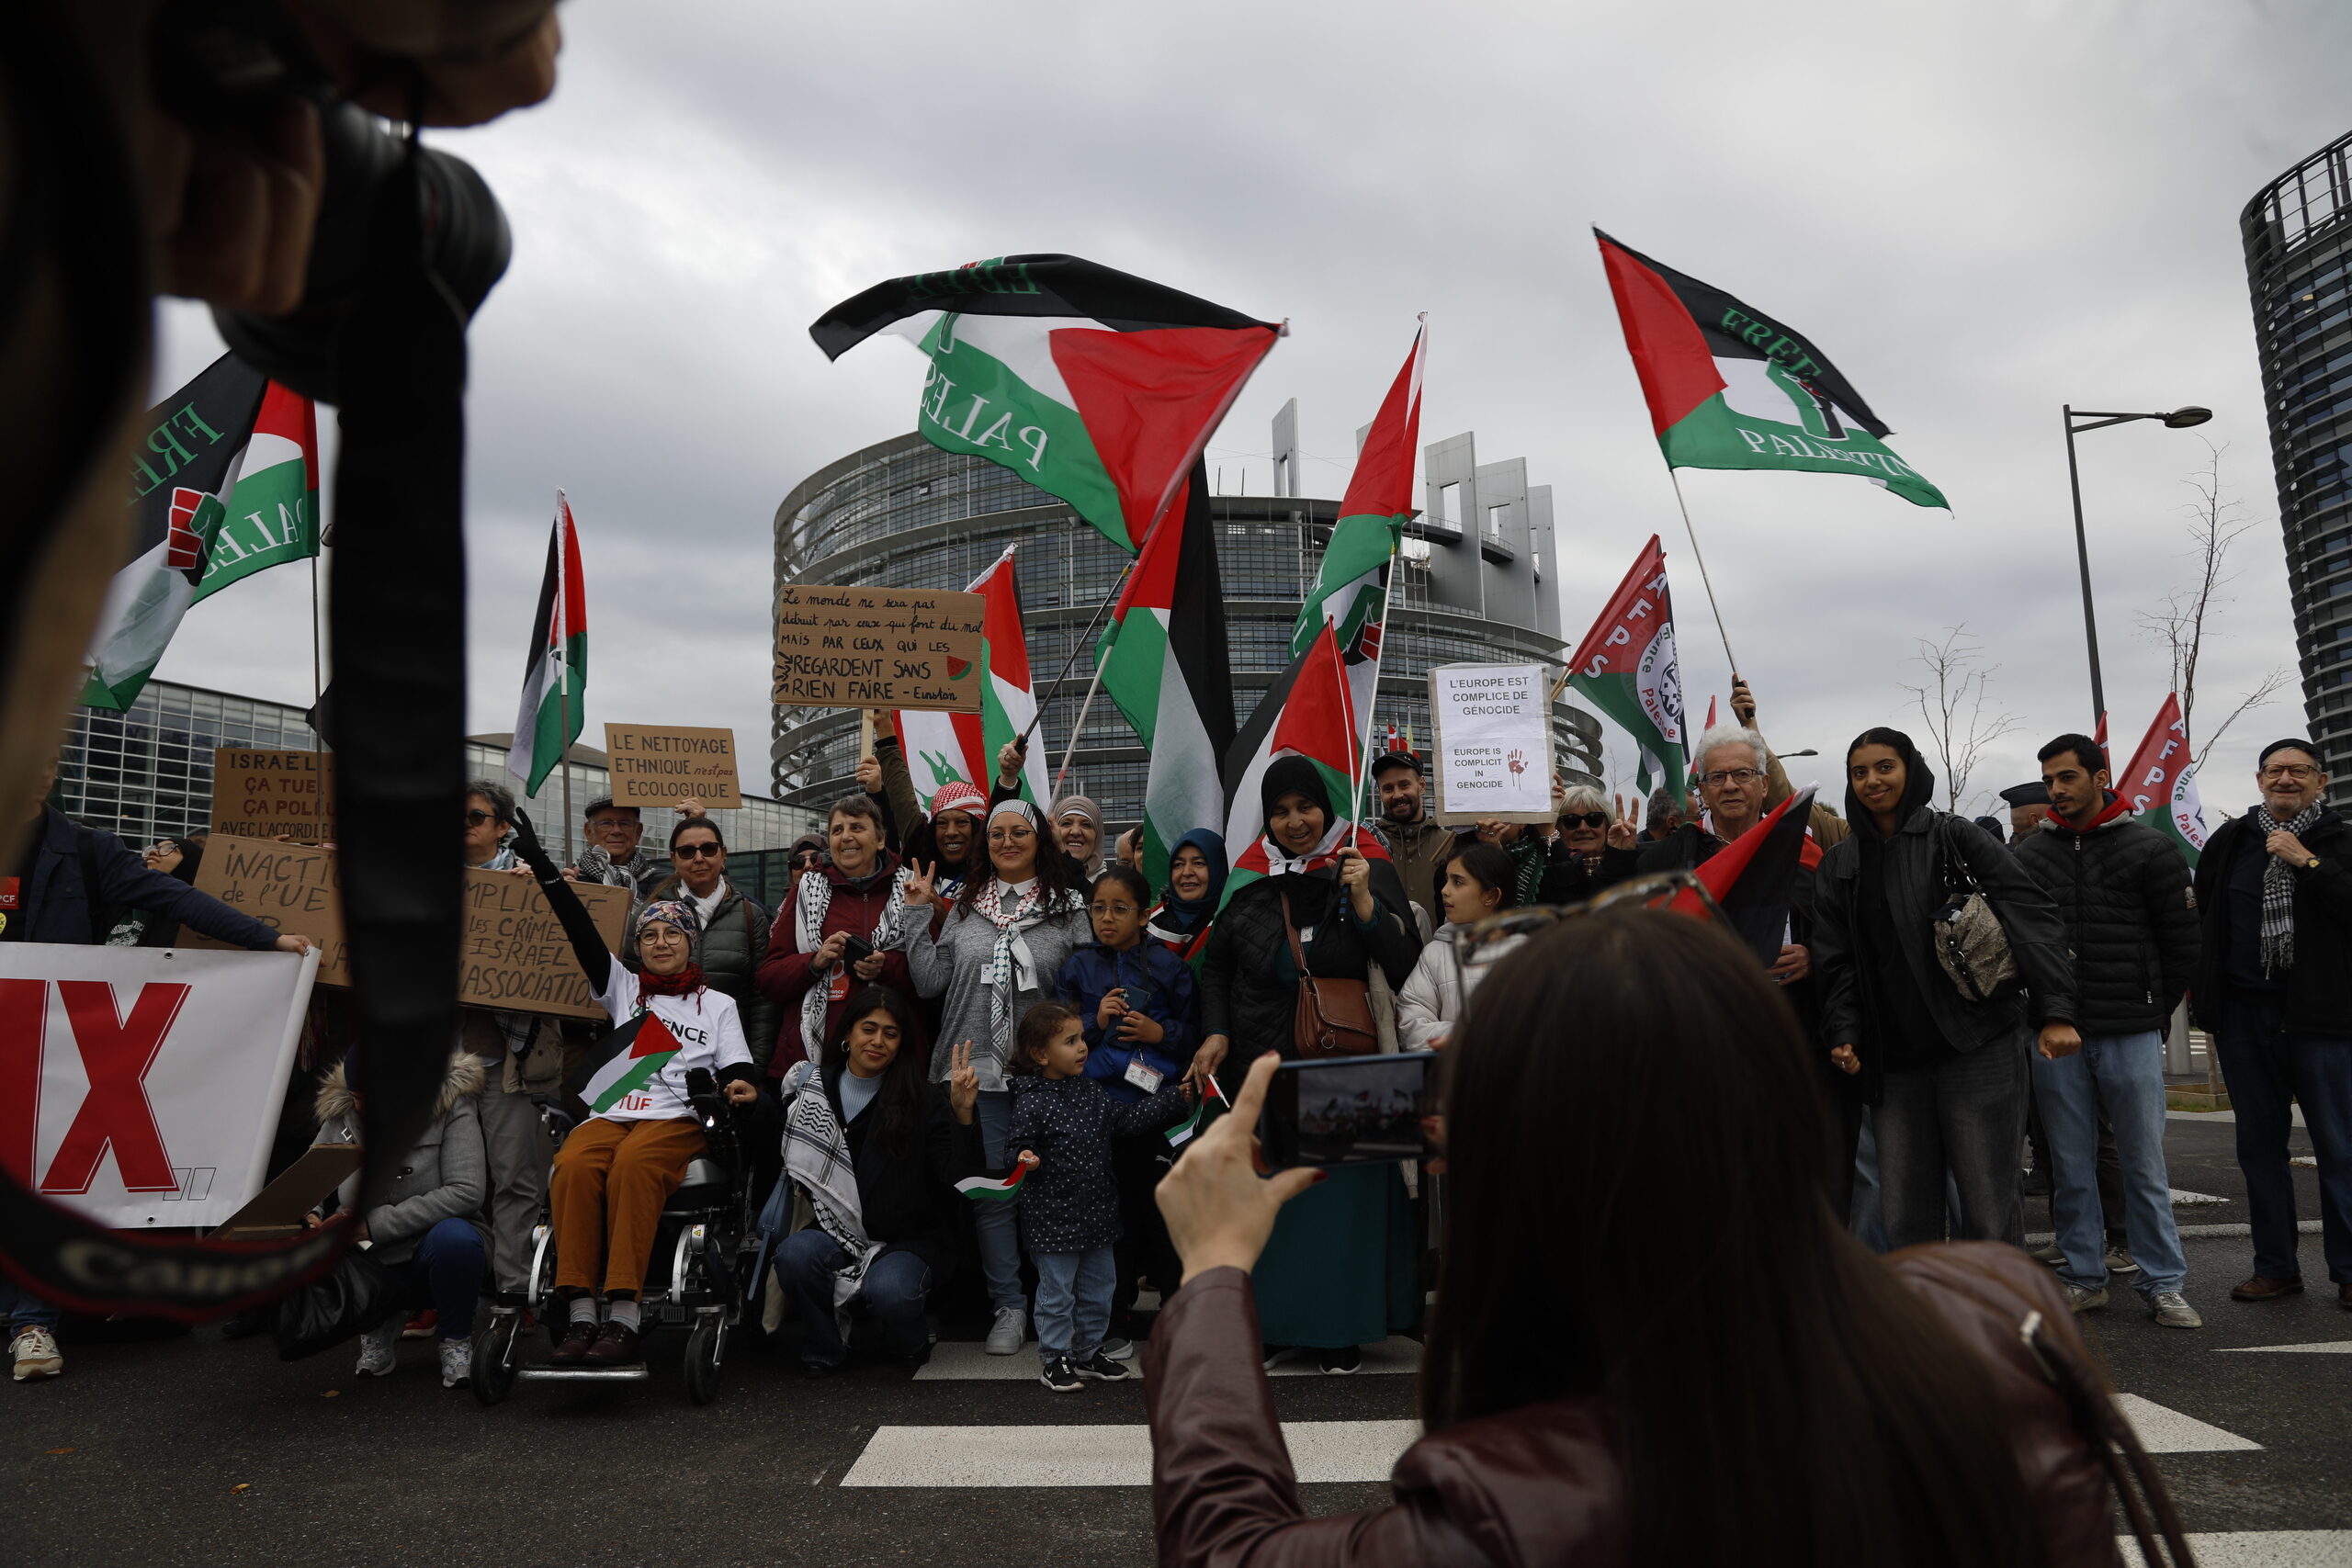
[(1494, 743), (656, 765), (258, 794), (515, 956), (878, 647)]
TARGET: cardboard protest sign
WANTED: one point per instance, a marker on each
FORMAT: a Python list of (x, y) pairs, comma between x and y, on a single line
[(1493, 743), (515, 955), (656, 765), (878, 648), (258, 794), (140, 1086)]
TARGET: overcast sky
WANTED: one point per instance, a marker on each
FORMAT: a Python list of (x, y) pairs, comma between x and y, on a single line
[(1980, 213)]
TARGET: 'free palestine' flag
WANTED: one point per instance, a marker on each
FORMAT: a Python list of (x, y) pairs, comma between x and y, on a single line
[(1351, 585), (1167, 665), (944, 748), (225, 485), (1626, 666), (554, 673), (2161, 781), (1093, 384), (1731, 388), (630, 1057)]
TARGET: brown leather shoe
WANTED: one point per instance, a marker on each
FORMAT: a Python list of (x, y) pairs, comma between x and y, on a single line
[(2264, 1288), (615, 1347), (574, 1344)]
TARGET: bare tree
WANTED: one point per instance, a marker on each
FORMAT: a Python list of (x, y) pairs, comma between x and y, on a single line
[(1951, 703), (2179, 624)]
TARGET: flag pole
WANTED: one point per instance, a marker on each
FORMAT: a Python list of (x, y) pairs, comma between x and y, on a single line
[(1362, 751), (1676, 480), (318, 767), (1084, 637)]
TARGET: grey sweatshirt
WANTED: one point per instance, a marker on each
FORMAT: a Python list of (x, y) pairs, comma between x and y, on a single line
[(956, 965)]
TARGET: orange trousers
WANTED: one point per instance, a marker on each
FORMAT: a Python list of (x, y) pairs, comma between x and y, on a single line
[(611, 1179)]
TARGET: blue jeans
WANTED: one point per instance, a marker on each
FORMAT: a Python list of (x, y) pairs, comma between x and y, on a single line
[(2124, 1074), (2265, 1066), (446, 1274), (1000, 1240), (893, 1292), (25, 1310), (1073, 1301), (1963, 1114)]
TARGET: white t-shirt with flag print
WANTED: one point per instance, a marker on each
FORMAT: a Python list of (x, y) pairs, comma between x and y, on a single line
[(709, 1034)]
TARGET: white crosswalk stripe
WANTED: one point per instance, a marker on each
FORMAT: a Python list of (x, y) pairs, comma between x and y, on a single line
[(1101, 1455), (2166, 1431), (962, 1361), (2322, 1347), (2261, 1549)]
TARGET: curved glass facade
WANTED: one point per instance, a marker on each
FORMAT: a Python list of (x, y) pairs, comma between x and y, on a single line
[(2298, 233), (903, 514)]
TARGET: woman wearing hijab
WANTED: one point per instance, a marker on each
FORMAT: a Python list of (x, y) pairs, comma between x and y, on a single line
[(1196, 873), (177, 859), (1339, 1270), (1077, 826), (1948, 1074), (992, 958)]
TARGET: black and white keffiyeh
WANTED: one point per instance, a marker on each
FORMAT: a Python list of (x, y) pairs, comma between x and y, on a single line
[(1012, 968), (2279, 891), (817, 1160), (809, 902)]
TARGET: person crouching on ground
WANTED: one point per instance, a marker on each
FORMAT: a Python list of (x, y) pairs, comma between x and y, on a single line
[(1063, 1122), (618, 1168)]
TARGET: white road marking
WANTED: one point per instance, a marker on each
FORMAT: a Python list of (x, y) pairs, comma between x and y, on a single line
[(959, 1360), (2181, 1197), (2166, 1431), (1101, 1455), (2260, 1549), (2323, 1347)]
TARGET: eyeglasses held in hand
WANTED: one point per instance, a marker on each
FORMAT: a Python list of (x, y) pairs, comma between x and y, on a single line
[(1730, 776), (1496, 936), (695, 851)]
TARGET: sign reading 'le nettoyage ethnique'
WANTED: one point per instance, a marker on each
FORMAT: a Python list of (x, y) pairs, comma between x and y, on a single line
[(659, 764)]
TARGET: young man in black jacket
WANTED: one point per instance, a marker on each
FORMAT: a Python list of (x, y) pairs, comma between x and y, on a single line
[(2122, 889), (2274, 986)]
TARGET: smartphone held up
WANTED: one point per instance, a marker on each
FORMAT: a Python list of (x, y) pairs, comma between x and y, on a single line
[(1351, 1110)]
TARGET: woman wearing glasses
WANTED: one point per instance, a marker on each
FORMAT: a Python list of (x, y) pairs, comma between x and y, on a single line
[(1595, 850), (734, 928)]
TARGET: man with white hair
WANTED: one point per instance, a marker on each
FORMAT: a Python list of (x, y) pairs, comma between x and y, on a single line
[(1733, 780)]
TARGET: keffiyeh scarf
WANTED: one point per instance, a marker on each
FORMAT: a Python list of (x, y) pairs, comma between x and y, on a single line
[(809, 902), (1338, 836), (816, 1161), (1012, 968), (2279, 891)]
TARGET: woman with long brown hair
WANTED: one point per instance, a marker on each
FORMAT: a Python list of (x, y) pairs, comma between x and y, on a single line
[(1653, 1341)]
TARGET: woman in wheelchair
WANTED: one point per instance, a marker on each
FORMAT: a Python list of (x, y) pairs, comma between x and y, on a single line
[(618, 1168)]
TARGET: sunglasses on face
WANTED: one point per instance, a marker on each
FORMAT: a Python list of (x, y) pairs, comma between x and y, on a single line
[(477, 817), (1589, 819), (695, 851)]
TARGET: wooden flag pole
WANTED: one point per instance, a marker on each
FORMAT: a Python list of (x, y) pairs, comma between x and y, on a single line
[(1676, 480)]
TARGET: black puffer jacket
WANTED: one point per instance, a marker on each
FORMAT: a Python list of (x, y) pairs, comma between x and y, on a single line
[(2319, 988), (1248, 985), (732, 945), (2122, 894)]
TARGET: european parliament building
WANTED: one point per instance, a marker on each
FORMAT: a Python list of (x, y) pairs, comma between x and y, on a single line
[(1474, 584)]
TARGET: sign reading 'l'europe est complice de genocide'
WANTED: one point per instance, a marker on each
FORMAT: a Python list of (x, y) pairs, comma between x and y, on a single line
[(1494, 743)]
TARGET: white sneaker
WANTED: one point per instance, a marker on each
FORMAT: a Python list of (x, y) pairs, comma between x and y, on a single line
[(2173, 1311), (376, 1358), (457, 1362), (34, 1349), (1012, 1328)]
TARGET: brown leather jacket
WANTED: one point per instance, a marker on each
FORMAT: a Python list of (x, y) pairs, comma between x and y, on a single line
[(1539, 1485)]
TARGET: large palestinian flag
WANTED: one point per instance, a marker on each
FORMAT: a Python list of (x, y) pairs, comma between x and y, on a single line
[(1304, 711), (555, 672), (942, 748), (1093, 384), (1351, 585), (2161, 781), (1730, 387), (225, 485), (625, 1061), (1167, 665), (1626, 668)]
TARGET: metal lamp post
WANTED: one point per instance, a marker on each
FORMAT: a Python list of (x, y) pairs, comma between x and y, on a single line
[(2178, 418)]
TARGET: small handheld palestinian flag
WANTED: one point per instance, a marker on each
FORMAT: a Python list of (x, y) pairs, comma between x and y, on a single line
[(989, 1189), (631, 1057), (1730, 387), (1182, 1134)]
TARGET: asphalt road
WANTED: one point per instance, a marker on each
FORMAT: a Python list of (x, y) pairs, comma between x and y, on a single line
[(198, 1452)]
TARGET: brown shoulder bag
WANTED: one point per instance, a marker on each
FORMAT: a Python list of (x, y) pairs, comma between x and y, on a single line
[(1333, 1017)]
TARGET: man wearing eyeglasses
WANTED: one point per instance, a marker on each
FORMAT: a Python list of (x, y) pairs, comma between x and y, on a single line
[(2274, 988), (1732, 782), (616, 854)]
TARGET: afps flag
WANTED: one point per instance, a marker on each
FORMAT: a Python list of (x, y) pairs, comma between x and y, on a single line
[(1626, 668), (1730, 387), (2161, 781), (226, 484), (1093, 384), (945, 748)]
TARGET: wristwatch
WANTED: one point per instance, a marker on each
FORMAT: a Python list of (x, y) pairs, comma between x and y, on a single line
[(2311, 864)]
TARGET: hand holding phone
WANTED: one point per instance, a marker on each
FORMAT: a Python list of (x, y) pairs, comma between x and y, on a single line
[(1350, 1111)]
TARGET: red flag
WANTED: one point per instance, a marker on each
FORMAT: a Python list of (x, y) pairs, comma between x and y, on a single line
[(1752, 877)]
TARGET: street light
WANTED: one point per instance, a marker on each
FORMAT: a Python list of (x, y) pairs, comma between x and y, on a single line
[(2178, 418)]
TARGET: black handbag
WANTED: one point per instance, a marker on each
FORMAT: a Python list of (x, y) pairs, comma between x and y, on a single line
[(342, 1303)]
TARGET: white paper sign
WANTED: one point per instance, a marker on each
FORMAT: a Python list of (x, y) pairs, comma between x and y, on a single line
[(141, 1086), (1493, 743)]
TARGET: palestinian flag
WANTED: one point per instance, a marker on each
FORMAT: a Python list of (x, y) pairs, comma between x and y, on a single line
[(987, 1190), (627, 1059), (1166, 664), (1304, 711), (1351, 585), (2161, 781), (942, 748), (225, 485), (1731, 388), (1182, 1134), (555, 674), (1752, 877), (1626, 668), (1093, 384)]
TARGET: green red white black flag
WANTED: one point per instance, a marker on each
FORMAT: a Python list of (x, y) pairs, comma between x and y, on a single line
[(1626, 668)]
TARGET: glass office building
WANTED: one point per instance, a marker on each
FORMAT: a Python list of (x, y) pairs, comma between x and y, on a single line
[(902, 514), (2298, 233)]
